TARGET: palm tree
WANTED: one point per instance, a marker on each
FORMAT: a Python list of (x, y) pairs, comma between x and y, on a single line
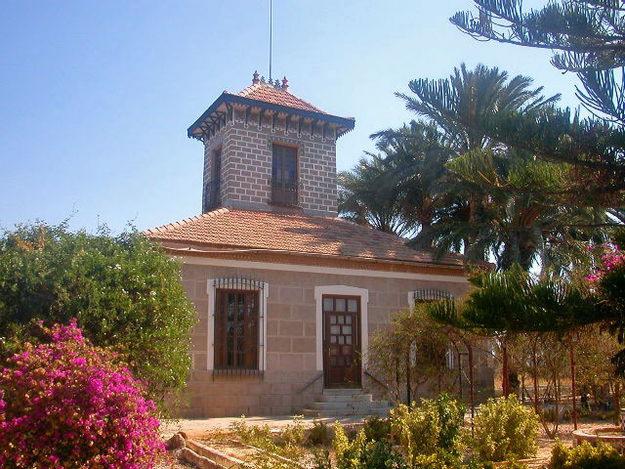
[(460, 108), (415, 165), (462, 105), (453, 188), (523, 214), (368, 197)]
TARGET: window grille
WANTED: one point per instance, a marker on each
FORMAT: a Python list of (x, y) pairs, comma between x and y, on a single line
[(239, 326), (431, 294)]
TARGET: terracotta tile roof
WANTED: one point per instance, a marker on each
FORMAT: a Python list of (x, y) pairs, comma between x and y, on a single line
[(276, 95), (291, 233)]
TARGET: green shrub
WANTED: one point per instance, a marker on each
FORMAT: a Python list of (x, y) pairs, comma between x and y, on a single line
[(451, 418), (294, 434), (321, 459), (347, 453), (362, 454), (286, 444), (320, 434), (586, 456), (505, 429), (124, 291), (380, 455), (415, 429), (432, 427), (377, 429), (259, 436)]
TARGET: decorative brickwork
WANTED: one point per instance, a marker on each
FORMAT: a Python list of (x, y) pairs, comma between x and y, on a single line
[(246, 152)]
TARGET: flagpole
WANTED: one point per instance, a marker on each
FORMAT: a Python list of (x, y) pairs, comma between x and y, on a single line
[(270, 35)]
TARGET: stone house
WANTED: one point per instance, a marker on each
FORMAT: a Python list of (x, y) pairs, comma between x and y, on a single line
[(287, 294)]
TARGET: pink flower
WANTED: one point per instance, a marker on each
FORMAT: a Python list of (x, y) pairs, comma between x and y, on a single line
[(80, 361), (69, 401), (611, 259)]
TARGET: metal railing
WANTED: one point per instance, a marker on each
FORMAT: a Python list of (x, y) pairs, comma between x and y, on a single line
[(284, 193), (212, 195)]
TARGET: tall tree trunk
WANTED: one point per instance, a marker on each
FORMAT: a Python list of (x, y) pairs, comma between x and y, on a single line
[(535, 376), (505, 369), (397, 380), (558, 395), (471, 386), (408, 387), (617, 401), (573, 380)]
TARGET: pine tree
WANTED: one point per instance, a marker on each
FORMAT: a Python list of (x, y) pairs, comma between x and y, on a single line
[(588, 38)]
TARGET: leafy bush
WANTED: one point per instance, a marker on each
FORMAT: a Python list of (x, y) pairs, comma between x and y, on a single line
[(68, 404), (505, 429), (416, 429), (294, 433), (124, 291), (319, 434), (286, 444), (586, 456), (432, 427), (451, 418), (377, 428), (253, 435), (363, 454), (380, 455), (321, 459)]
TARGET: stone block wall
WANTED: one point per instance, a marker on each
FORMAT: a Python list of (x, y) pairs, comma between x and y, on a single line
[(291, 339), (247, 164)]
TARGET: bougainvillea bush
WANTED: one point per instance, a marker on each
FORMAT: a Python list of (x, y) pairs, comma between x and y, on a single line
[(607, 283), (66, 403)]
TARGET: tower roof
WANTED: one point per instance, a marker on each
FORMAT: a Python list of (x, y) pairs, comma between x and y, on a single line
[(267, 93), (270, 97)]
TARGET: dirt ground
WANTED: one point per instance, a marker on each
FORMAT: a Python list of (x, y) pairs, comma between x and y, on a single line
[(199, 428), (565, 431)]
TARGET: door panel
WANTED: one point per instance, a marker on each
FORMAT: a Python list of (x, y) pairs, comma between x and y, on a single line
[(341, 341)]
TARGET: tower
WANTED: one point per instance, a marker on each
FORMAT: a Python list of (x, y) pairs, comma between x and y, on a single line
[(266, 149)]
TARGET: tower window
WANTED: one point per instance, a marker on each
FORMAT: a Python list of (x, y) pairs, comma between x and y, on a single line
[(284, 175), (212, 188)]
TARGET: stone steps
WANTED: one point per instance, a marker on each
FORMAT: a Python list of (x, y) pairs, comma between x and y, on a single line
[(347, 398), (346, 402)]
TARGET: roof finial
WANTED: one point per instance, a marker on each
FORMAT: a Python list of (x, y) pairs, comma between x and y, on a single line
[(262, 79), (285, 84), (255, 79)]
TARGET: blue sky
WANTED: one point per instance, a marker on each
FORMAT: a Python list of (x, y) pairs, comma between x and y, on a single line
[(95, 97)]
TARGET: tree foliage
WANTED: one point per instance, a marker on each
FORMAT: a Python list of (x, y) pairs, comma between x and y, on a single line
[(124, 291), (588, 39), (451, 185), (409, 352)]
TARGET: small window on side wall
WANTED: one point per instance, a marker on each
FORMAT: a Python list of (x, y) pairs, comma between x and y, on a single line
[(284, 175)]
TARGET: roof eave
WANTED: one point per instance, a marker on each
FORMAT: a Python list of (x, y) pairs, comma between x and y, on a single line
[(344, 123), (206, 249)]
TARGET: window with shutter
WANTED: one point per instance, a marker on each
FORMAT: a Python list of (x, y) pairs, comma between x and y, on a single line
[(284, 175), (236, 329)]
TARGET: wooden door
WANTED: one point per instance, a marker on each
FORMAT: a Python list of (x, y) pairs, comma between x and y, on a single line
[(341, 341)]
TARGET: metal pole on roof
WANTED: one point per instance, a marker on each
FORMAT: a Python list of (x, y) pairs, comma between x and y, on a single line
[(270, 34)]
